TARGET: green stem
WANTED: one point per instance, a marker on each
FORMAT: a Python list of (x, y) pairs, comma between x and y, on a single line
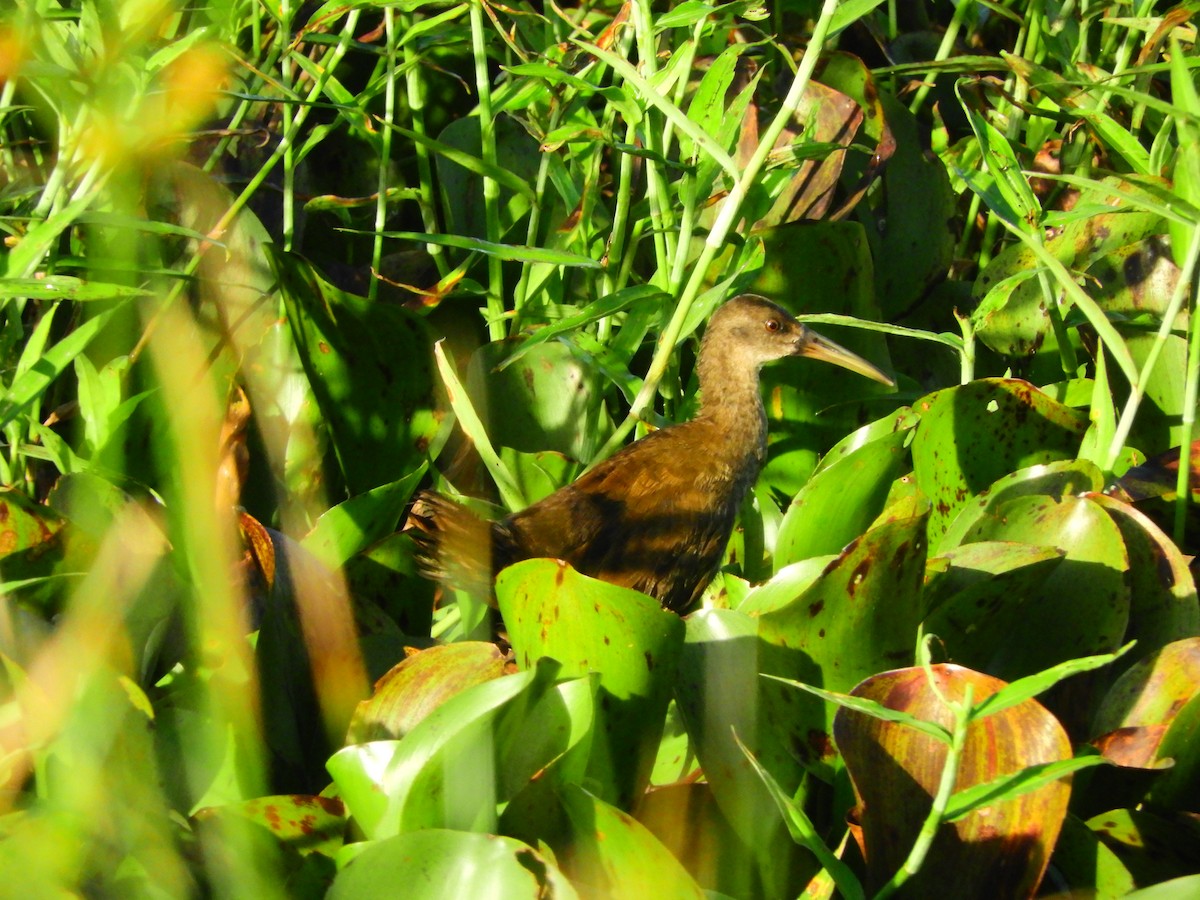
[(1183, 287), (1191, 395), (289, 159), (414, 82), (491, 190), (937, 812), (385, 153)]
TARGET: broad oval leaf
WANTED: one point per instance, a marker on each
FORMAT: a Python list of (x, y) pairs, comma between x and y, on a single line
[(1079, 609), (440, 775), (1001, 850), (839, 502), (1062, 478), (550, 610), (370, 366), (859, 617), (976, 433), (418, 685), (434, 864)]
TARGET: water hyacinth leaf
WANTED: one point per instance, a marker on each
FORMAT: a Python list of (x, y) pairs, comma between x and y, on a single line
[(971, 567), (614, 854), (981, 594), (1002, 850), (1062, 478), (1082, 607), (1011, 317), (436, 863), (1163, 600), (355, 524), (717, 695), (976, 433), (546, 737), (550, 399), (462, 187), (902, 419), (687, 820), (1153, 689), (305, 823), (439, 775), (370, 366), (418, 685), (587, 625), (1178, 788), (1086, 863), (784, 586), (1152, 847), (913, 245), (858, 617), (839, 502)]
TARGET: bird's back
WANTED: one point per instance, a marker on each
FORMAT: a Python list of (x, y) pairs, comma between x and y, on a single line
[(655, 517)]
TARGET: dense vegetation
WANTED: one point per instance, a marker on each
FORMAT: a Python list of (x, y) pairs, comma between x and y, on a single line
[(270, 268)]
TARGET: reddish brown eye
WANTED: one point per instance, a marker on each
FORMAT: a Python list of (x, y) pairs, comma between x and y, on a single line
[(772, 325)]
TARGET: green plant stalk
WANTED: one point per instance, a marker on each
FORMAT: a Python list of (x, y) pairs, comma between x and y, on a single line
[(385, 153), (937, 812), (287, 76), (491, 190), (414, 83), (681, 84), (1191, 395), (521, 291), (47, 202), (6, 98), (327, 66), (1066, 350), (616, 248), (724, 222), (1183, 287), (656, 185), (943, 53)]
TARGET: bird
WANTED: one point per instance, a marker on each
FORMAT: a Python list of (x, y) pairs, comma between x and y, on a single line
[(657, 515)]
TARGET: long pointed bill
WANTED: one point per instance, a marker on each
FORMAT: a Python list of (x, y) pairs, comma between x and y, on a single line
[(824, 349)]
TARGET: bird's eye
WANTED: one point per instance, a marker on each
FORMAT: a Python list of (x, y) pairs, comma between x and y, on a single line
[(772, 325)]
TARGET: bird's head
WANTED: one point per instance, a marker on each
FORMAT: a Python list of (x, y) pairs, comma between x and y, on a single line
[(752, 330)]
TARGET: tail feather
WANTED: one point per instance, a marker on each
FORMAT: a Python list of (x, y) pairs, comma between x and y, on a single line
[(453, 545)]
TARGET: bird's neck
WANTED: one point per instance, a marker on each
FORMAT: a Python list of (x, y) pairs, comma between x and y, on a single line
[(731, 404)]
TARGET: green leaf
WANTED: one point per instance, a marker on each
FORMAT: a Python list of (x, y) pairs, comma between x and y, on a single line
[(550, 610), (1009, 787), (29, 385), (615, 855), (355, 524), (840, 502), (1002, 850), (64, 287), (858, 617), (804, 833), (976, 433), (507, 252), (430, 778), (435, 863), (370, 367), (1030, 686)]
